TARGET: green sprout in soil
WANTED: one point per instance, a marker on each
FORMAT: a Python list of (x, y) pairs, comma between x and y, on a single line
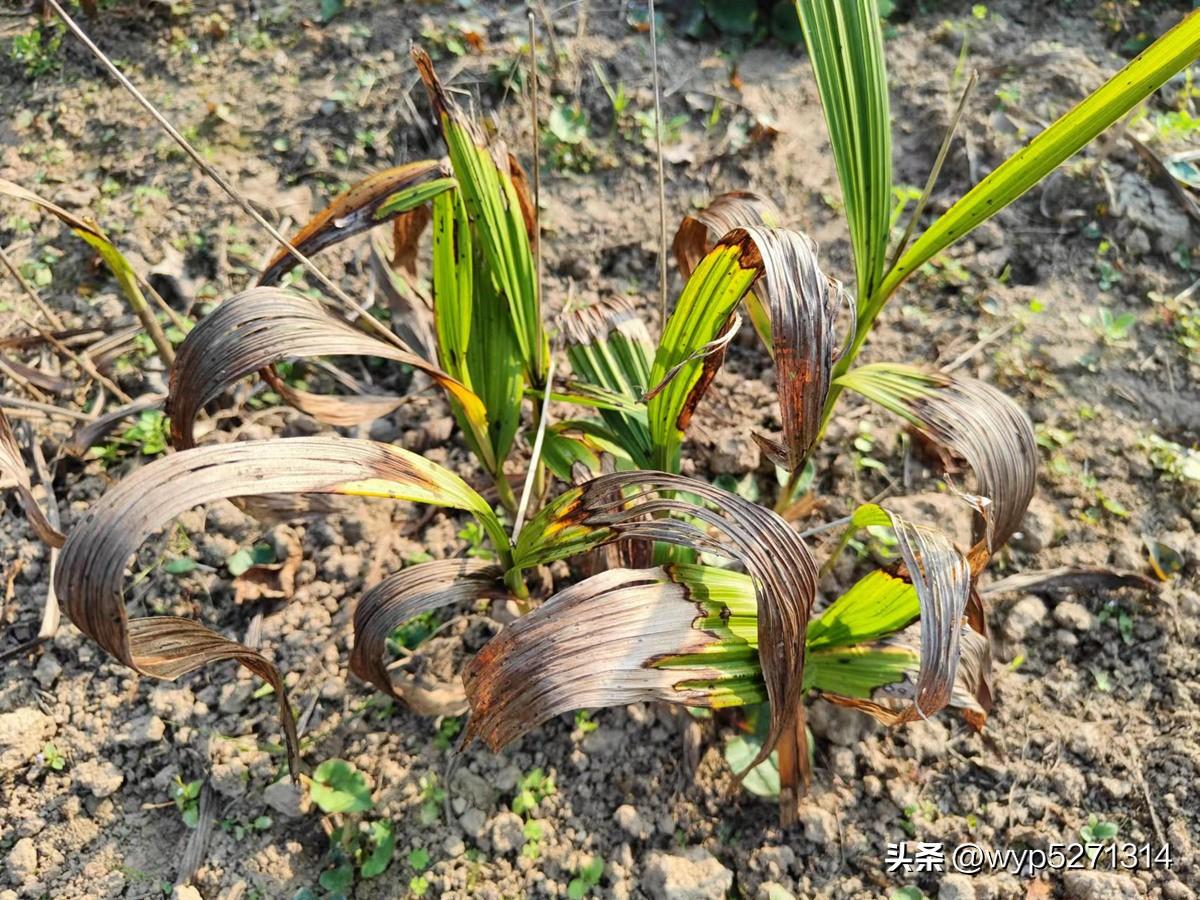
[(51, 758), (1098, 831), (533, 834), (433, 796), (37, 49), (532, 788), (148, 436), (584, 723), (356, 844), (186, 795), (447, 731), (418, 861), (566, 138), (1113, 328), (240, 829), (587, 878)]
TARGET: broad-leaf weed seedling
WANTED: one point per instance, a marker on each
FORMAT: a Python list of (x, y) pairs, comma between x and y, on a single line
[(186, 795), (587, 878), (37, 49), (355, 843)]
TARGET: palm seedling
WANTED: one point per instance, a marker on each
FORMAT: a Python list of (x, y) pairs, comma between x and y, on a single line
[(712, 601)]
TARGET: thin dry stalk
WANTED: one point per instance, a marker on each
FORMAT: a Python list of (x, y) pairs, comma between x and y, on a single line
[(662, 178), (222, 182), (55, 321), (149, 320), (531, 475), (62, 412), (51, 614), (22, 382), (535, 456), (937, 168), (551, 44), (80, 360), (537, 164)]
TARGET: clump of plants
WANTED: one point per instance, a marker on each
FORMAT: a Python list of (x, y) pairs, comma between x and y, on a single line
[(37, 50), (358, 847), (681, 590)]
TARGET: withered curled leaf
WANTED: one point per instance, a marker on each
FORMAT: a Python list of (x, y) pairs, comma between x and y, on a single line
[(15, 474), (91, 572), (892, 704), (594, 644), (405, 595), (624, 504), (1070, 578), (942, 578), (854, 643), (261, 326), (803, 305), (699, 232), (363, 206), (801, 308), (973, 420)]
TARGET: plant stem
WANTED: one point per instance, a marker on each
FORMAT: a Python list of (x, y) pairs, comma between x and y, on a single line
[(785, 496), (541, 417), (861, 330), (507, 498), (141, 308), (515, 582), (842, 544)]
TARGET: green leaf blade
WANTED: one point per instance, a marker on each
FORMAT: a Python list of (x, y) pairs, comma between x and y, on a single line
[(1171, 53), (338, 787), (709, 299), (845, 46)]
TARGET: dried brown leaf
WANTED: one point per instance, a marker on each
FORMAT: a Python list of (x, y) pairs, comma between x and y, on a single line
[(591, 645), (91, 572), (354, 212), (15, 474), (262, 326), (625, 504), (404, 596)]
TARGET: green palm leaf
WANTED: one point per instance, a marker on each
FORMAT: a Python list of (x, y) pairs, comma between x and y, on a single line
[(845, 46)]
